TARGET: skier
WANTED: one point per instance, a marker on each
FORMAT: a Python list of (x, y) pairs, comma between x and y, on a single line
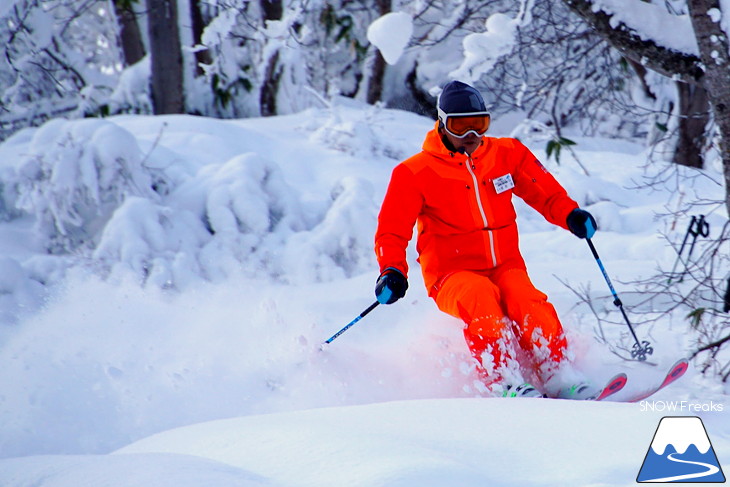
[(458, 190)]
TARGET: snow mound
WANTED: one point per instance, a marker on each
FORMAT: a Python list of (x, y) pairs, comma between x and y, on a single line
[(158, 470), (455, 442), (19, 291)]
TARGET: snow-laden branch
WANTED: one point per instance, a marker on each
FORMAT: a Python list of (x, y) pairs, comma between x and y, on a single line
[(651, 22), (647, 34), (482, 50)]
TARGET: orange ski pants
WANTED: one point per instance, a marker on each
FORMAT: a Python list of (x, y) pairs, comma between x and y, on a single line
[(501, 307)]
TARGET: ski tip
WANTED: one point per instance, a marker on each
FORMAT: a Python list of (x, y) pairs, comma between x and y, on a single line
[(675, 372), (679, 368), (613, 386)]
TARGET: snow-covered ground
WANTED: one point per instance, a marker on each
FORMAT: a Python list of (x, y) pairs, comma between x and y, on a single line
[(173, 336)]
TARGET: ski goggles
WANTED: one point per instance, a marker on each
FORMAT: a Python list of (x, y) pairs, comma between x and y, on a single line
[(461, 124)]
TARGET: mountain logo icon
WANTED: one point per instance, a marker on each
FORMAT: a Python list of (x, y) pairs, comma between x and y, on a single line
[(681, 452)]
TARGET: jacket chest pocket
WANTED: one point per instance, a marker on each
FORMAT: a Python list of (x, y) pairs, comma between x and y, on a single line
[(452, 201)]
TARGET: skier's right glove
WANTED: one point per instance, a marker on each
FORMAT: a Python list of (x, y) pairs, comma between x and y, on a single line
[(581, 223), (391, 286)]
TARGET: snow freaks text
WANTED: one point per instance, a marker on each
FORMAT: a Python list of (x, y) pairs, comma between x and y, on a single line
[(681, 406)]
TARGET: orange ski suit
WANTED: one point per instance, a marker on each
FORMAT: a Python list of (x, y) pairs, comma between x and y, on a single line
[(468, 244)]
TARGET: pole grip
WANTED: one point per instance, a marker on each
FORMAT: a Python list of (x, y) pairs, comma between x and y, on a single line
[(593, 249)]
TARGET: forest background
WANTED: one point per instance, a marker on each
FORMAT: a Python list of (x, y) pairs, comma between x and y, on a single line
[(653, 72)]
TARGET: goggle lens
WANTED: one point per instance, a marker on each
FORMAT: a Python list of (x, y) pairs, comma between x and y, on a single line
[(461, 125)]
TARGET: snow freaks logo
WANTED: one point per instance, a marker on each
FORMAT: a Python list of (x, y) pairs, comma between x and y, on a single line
[(681, 452)]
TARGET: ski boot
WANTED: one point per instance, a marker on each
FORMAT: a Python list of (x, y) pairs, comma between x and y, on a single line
[(522, 390), (580, 391)]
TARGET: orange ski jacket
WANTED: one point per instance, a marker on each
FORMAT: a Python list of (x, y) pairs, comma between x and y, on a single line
[(463, 207)]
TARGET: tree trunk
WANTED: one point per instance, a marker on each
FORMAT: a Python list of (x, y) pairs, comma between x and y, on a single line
[(198, 25), (713, 45), (270, 88), (425, 103), (694, 116), (166, 58), (130, 37), (377, 73), (272, 10)]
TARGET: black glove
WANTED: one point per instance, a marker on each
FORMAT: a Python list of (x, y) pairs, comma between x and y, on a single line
[(581, 223), (391, 286)]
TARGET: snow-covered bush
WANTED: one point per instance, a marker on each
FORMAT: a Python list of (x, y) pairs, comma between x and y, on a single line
[(240, 217), (158, 244), (250, 211), (229, 218), (248, 195), (74, 177), (87, 186), (132, 93), (341, 245), (357, 130)]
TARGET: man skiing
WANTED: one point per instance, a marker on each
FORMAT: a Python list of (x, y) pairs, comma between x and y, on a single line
[(458, 190)]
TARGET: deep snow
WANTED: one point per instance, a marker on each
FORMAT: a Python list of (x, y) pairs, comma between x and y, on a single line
[(174, 337)]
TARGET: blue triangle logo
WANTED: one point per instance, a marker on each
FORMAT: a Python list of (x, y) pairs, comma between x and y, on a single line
[(681, 452)]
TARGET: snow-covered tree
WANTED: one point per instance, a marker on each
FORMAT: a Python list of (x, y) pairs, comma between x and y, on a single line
[(692, 48), (687, 42), (57, 58)]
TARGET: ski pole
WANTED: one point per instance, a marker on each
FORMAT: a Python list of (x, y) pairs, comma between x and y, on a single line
[(703, 229), (347, 326), (640, 349), (684, 242), (697, 227)]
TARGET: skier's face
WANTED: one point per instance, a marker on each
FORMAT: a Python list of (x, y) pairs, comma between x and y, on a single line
[(467, 144)]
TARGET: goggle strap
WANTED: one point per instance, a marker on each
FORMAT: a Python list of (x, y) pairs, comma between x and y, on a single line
[(443, 115)]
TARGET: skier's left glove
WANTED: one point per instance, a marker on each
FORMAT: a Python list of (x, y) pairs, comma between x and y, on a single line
[(391, 286), (581, 223)]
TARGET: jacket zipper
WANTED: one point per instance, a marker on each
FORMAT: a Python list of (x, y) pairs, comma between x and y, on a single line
[(481, 208)]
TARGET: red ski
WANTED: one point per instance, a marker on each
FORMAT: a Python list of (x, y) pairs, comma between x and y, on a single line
[(675, 372), (615, 384), (612, 387), (619, 381)]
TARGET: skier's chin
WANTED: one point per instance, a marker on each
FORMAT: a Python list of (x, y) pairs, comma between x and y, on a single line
[(470, 144)]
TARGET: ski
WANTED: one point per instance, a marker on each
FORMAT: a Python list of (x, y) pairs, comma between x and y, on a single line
[(618, 382), (675, 372), (615, 384), (612, 387)]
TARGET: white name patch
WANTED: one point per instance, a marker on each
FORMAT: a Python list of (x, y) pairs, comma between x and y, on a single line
[(503, 183)]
